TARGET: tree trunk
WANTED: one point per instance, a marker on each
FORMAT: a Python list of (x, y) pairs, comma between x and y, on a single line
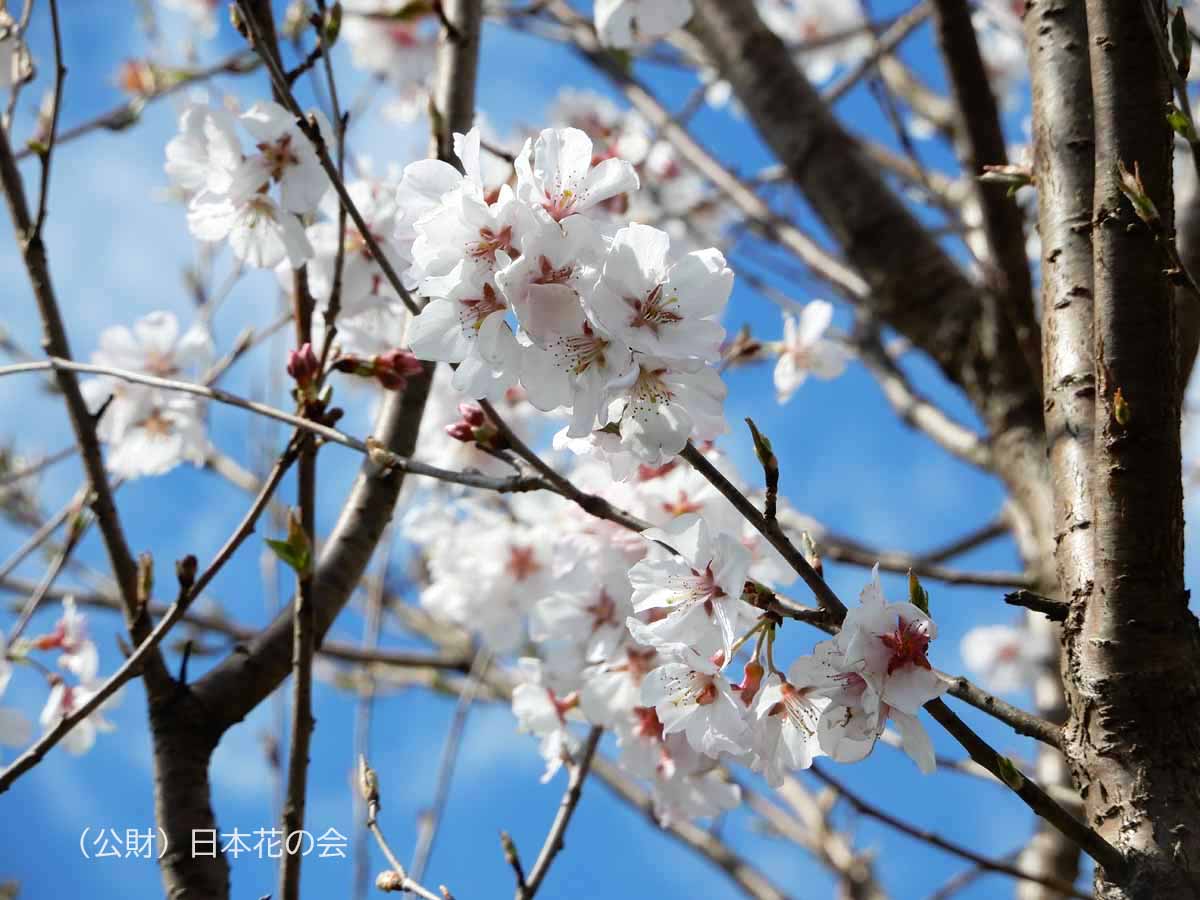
[(1133, 688)]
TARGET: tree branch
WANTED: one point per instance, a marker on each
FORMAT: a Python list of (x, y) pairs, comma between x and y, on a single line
[(983, 145), (861, 805), (558, 829)]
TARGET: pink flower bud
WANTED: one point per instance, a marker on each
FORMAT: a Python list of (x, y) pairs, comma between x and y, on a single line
[(394, 368), (471, 414), (751, 680), (461, 431), (303, 365)]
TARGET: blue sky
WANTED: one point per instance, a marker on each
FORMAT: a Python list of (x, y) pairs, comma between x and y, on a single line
[(116, 252)]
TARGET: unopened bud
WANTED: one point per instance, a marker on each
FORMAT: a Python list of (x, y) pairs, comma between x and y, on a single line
[(138, 77), (303, 365), (185, 571), (461, 431), (471, 414), (145, 578), (751, 680), (394, 368), (389, 882), (368, 783)]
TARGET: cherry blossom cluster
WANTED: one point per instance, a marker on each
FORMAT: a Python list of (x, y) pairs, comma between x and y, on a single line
[(669, 648), (149, 430), (532, 285), (79, 681), (252, 200)]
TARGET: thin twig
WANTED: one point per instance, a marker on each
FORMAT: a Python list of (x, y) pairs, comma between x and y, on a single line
[(935, 840), (400, 882), (126, 114), (33, 253), (1087, 839), (770, 530), (75, 534), (188, 591), (1054, 610), (566, 809), (429, 822), (36, 467), (310, 131), (884, 46)]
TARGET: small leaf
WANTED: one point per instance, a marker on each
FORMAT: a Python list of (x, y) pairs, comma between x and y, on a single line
[(1181, 43), (296, 551), (917, 595), (1122, 412), (763, 449), (1135, 190), (1009, 772), (333, 24), (1181, 124)]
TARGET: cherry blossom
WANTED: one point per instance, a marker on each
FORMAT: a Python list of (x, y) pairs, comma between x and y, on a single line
[(402, 51), (206, 153), (63, 701), (834, 30), (556, 176), (587, 608), (149, 431), (662, 404), (662, 309), (1006, 658), (285, 157), (787, 726), (805, 349), (542, 712), (626, 23), (231, 191), (556, 266), (260, 232), (467, 324), (692, 696), (890, 641), (699, 588)]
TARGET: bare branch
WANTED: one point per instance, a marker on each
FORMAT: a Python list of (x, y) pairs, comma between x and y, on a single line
[(935, 840), (558, 829), (749, 879)]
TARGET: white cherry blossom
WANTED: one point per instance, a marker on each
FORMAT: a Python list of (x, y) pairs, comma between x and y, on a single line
[(541, 712), (260, 232), (149, 431), (555, 174), (626, 23), (694, 698), (1006, 658), (556, 266), (64, 700), (787, 726), (658, 308), (700, 588), (285, 157), (207, 152), (805, 349), (888, 644), (659, 404)]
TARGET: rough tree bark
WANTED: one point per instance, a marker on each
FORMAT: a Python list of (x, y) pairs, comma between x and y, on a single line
[(1133, 688), (1056, 36)]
